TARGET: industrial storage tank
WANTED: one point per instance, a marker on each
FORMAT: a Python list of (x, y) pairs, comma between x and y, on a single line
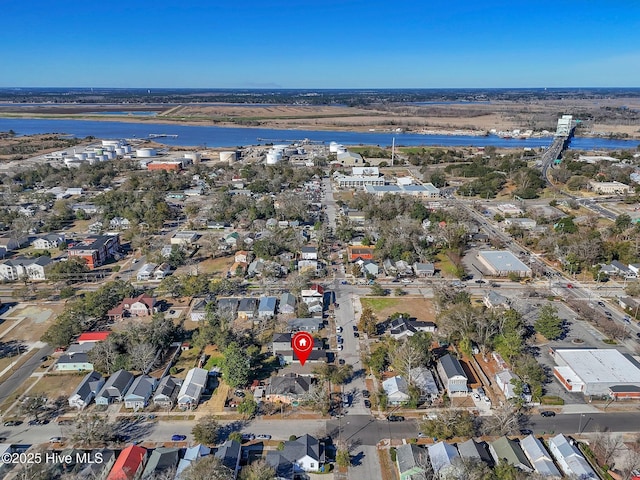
[(91, 155), (119, 151), (341, 149), (81, 156), (273, 157), (146, 152), (111, 143), (110, 155), (101, 158), (98, 151), (127, 148), (193, 156), (228, 156)]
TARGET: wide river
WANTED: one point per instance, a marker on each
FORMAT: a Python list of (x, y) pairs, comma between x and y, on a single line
[(211, 136)]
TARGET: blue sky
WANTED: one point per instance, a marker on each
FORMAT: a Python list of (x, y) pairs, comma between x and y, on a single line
[(322, 44)]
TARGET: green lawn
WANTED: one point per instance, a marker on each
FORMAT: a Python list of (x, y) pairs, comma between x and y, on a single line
[(215, 360), (378, 304), (445, 265)]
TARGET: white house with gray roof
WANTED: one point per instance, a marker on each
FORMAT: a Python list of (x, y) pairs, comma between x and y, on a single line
[(86, 391), (115, 388), (192, 388), (538, 456), (411, 460), (139, 393), (166, 392), (452, 375), (569, 458)]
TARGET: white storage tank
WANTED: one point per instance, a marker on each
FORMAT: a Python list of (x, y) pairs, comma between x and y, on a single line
[(127, 148), (273, 157), (101, 158), (109, 148), (334, 147), (193, 156), (110, 155), (92, 160), (146, 152), (119, 151), (341, 149), (91, 155), (98, 151), (81, 156), (229, 157), (111, 143)]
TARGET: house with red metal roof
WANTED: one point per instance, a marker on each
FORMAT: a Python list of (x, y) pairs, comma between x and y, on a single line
[(129, 464), (93, 337)]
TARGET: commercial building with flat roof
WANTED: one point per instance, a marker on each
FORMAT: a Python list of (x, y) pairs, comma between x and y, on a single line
[(502, 263), (594, 371)]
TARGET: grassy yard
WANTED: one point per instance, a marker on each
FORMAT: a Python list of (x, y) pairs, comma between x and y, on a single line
[(56, 385), (445, 266), (418, 307), (186, 361)]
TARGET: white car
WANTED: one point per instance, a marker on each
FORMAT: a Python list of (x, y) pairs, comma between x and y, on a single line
[(338, 329), (476, 396), (340, 347), (405, 280), (487, 401)]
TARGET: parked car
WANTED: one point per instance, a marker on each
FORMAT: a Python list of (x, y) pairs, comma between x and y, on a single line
[(525, 431), (240, 393), (486, 400), (548, 413), (366, 394), (12, 423), (395, 418), (338, 329), (341, 361), (339, 347), (247, 437), (367, 403), (263, 437), (480, 281), (475, 396), (178, 438), (601, 304), (56, 440)]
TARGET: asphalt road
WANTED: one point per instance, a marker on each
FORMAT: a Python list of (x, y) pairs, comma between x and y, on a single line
[(23, 372)]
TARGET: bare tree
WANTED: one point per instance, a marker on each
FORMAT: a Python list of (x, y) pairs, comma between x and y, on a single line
[(207, 468), (141, 356), (258, 470), (405, 358), (606, 446), (504, 421), (92, 430)]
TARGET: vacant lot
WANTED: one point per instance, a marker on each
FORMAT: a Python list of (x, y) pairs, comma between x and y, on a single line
[(57, 385), (418, 307), (215, 266), (34, 320)]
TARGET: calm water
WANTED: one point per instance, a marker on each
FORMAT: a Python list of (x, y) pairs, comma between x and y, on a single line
[(231, 137)]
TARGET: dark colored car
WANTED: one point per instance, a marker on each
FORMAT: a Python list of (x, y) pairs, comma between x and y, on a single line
[(395, 418), (365, 393), (601, 304), (525, 431), (12, 423), (548, 413), (178, 438), (480, 281), (341, 361), (367, 403)]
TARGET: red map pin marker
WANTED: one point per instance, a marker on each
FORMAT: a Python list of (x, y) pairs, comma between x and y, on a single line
[(302, 344)]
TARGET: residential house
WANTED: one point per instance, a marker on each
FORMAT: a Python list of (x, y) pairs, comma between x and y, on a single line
[(139, 392), (192, 388), (570, 460), (119, 223), (424, 269), (403, 327), (88, 337), (288, 388), (95, 250), (397, 390), (232, 239), (315, 293), (129, 464), (505, 381), (229, 454), (538, 456), (523, 223), (305, 454), (389, 267), (8, 243), (281, 346), (494, 300), (628, 304), (146, 272), (310, 325), (475, 451), (166, 392), (441, 456), (369, 268), (247, 308), (623, 270), (360, 252), (93, 469), (309, 253), (162, 460), (163, 271), (49, 242), (191, 454), (115, 388), (242, 256), (141, 306), (423, 379), (304, 265), (23, 267), (198, 310), (76, 358), (184, 238), (505, 449), (452, 375), (412, 461), (287, 303), (267, 307), (86, 390)]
